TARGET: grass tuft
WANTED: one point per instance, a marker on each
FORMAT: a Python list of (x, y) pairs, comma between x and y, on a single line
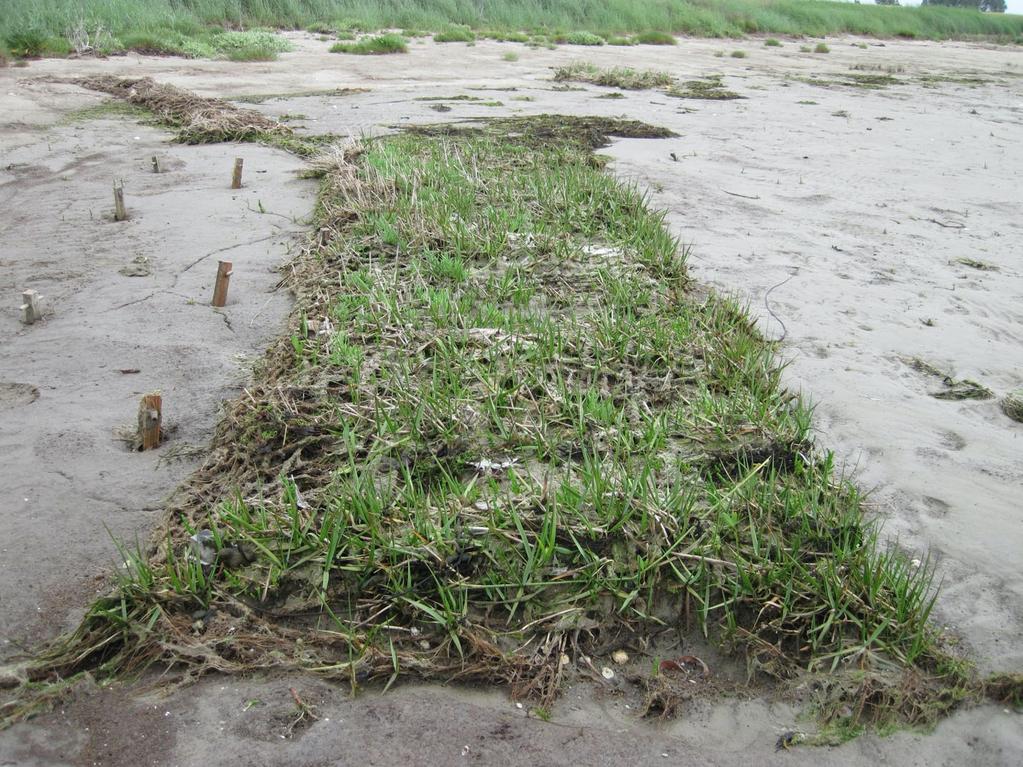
[(656, 38), (821, 48), (772, 42), (373, 46), (455, 34), (738, 54), (579, 38)]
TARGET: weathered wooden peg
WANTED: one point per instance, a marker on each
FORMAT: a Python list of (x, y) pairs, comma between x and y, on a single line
[(223, 280), (236, 178), (120, 213), (31, 307), (156, 165), (150, 420)]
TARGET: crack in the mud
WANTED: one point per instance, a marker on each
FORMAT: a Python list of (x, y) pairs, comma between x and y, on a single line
[(227, 320)]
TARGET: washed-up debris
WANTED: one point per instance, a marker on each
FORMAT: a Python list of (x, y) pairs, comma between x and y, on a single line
[(485, 464), (955, 389), (200, 120), (1012, 405), (620, 657), (204, 549), (139, 267), (680, 663), (973, 263), (787, 740)]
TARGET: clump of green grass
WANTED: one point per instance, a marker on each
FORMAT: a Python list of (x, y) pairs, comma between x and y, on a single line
[(656, 38), (579, 38), (738, 54), (821, 48), (33, 43), (620, 40), (250, 45), (455, 34), (772, 42), (153, 44), (510, 56), (373, 46), (615, 77)]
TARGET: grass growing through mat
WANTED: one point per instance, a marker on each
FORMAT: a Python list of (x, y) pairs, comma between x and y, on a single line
[(373, 46), (503, 428), (626, 78)]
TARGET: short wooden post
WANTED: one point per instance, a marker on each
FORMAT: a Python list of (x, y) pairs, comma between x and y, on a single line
[(150, 419), (31, 309), (223, 280), (156, 165), (236, 178), (120, 214)]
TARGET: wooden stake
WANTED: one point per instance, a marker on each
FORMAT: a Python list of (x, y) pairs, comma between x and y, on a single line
[(156, 165), (31, 309), (120, 214), (150, 419), (223, 280), (236, 179)]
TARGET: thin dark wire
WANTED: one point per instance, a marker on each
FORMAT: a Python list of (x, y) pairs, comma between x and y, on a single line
[(767, 305)]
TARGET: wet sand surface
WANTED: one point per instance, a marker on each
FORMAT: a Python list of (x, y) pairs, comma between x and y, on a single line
[(839, 214)]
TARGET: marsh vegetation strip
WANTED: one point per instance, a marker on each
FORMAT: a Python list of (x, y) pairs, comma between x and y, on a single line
[(504, 427), (56, 27)]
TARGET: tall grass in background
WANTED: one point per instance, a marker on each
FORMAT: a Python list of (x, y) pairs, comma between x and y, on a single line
[(50, 19)]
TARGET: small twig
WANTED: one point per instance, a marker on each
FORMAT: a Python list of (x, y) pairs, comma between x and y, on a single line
[(305, 708), (953, 225), (744, 196)]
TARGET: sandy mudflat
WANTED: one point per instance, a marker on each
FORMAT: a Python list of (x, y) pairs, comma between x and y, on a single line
[(849, 214)]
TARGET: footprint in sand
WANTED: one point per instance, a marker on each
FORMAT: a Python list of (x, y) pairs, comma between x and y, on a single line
[(952, 441)]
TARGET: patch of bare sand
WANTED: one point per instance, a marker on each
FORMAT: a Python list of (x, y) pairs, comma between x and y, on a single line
[(842, 196)]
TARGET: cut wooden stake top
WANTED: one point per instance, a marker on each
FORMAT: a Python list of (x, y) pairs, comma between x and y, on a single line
[(150, 420), (223, 280), (236, 178), (31, 310), (156, 164), (120, 213)]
